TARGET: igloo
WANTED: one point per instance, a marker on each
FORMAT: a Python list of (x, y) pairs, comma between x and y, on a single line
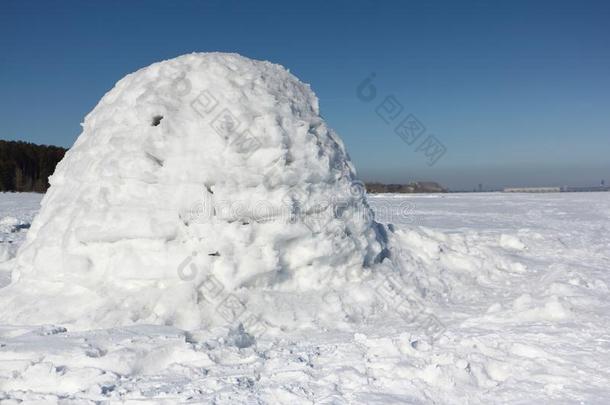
[(208, 164)]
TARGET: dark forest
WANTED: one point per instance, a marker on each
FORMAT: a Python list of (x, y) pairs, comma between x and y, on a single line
[(26, 166)]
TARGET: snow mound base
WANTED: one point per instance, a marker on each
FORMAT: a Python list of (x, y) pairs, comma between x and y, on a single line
[(205, 173)]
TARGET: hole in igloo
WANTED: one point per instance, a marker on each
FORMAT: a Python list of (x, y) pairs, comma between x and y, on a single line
[(156, 120)]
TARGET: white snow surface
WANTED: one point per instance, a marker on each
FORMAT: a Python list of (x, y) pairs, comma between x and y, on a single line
[(518, 281), (206, 165), (20, 209)]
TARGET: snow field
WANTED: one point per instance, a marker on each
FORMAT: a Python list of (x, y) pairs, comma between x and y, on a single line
[(522, 298)]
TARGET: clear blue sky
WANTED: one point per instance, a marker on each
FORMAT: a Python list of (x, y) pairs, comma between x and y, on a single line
[(518, 92)]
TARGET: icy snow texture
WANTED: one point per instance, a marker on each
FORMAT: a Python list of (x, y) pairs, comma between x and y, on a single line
[(535, 336), (203, 164)]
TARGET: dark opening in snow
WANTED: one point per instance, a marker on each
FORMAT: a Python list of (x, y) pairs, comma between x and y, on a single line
[(156, 120)]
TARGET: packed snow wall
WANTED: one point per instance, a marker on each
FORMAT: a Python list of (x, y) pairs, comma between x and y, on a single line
[(206, 164)]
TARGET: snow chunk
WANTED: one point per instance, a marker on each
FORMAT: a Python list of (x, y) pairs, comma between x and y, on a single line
[(511, 242)]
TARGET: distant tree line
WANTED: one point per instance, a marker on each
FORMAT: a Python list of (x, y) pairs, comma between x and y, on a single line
[(26, 166), (415, 187)]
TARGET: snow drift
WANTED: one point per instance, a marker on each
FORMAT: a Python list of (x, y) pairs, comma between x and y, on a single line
[(206, 165)]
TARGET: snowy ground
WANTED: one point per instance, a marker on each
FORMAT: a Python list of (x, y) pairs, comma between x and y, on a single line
[(17, 210), (519, 283)]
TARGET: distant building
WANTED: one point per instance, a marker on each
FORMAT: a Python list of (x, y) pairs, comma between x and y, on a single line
[(586, 189), (532, 190)]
